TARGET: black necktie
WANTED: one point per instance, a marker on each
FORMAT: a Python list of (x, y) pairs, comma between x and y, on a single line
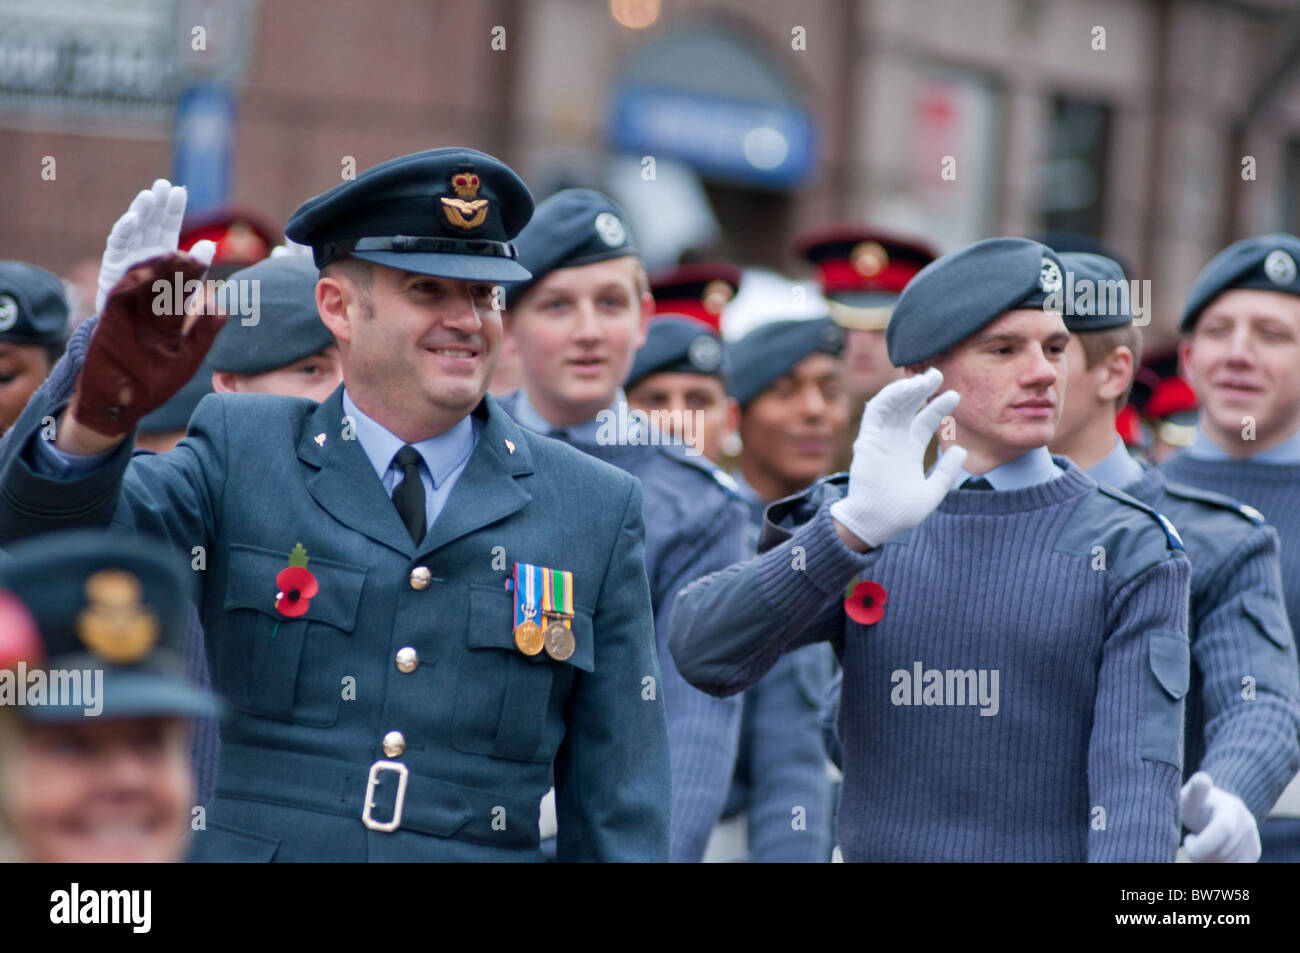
[(977, 483), (409, 495)]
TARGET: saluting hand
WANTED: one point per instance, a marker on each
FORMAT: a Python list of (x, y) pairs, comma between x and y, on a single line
[(888, 489), (150, 227)]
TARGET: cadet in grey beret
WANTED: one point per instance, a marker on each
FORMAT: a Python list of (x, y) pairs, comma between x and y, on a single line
[(1095, 294), (771, 351), (1263, 263), (956, 295), (33, 326)]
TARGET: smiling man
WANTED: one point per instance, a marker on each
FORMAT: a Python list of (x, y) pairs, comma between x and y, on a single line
[(414, 622), (577, 325), (1014, 659), (1241, 354)]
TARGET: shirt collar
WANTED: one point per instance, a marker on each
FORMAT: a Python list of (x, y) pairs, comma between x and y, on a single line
[(1287, 452), (588, 431), (1028, 469), (441, 454), (1117, 468)]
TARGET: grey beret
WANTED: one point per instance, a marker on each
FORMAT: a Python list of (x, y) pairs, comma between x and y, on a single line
[(1263, 263), (1096, 293), (287, 328), (571, 228), (956, 295), (771, 351)]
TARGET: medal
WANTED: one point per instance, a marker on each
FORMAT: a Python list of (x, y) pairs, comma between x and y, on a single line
[(528, 634), (557, 605)]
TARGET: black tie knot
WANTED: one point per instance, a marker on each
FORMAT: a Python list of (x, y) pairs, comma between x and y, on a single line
[(408, 457), (977, 483)]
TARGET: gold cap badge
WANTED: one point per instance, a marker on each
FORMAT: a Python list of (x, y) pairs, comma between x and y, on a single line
[(466, 210), (115, 625)]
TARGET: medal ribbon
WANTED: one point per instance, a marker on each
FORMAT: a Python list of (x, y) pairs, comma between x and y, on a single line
[(557, 596), (527, 577)]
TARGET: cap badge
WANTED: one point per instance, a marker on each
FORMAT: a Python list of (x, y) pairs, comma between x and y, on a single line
[(868, 258), (465, 211), (115, 624), (8, 312), (1280, 267), (610, 229), (716, 295), (1049, 276), (705, 353)]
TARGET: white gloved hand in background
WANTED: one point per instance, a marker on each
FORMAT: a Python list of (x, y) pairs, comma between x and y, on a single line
[(291, 249), (888, 489), (1223, 829), (149, 228)]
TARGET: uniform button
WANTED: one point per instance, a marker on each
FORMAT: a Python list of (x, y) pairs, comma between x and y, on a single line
[(421, 577), (394, 744), (407, 660)]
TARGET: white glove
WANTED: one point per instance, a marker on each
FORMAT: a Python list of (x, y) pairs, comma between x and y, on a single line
[(291, 249), (1225, 830), (888, 489), (149, 228)]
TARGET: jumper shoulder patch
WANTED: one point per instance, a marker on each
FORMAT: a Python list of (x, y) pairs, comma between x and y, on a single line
[(1171, 533), (1184, 492)]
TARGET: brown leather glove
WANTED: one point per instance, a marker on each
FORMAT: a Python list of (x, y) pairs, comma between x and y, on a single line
[(138, 359)]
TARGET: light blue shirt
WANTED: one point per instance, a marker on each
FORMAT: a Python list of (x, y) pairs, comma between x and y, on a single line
[(1117, 468), (593, 431), (444, 456), (1028, 469), (1287, 452)]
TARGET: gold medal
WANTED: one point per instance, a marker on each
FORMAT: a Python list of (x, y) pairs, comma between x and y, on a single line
[(559, 641), (528, 637)]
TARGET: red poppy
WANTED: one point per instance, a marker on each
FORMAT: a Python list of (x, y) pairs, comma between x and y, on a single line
[(866, 604), (297, 585)]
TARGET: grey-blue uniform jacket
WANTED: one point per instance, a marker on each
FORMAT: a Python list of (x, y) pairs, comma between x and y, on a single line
[(483, 724), (694, 526)]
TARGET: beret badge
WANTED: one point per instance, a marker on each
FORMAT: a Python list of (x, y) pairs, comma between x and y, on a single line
[(115, 625), (1049, 277), (466, 210), (8, 312), (610, 229), (1280, 267)]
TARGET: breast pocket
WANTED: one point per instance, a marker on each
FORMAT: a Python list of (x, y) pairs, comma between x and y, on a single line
[(290, 669), (510, 705)]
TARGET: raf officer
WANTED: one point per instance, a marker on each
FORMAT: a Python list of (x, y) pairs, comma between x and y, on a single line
[(577, 324), (96, 768), (1241, 747), (412, 617), (33, 327), (1240, 350), (946, 604)]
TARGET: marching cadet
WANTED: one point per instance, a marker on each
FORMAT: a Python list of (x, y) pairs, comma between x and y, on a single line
[(788, 381), (679, 379), (506, 628), (1004, 698), (1241, 748), (861, 272), (577, 324), (102, 616), (33, 327), (1240, 350)]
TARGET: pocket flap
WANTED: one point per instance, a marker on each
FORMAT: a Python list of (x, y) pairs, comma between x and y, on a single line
[(1269, 615), (491, 626), (1170, 659), (252, 586)]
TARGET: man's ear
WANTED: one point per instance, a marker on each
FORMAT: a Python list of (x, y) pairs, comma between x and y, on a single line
[(1119, 374), (333, 296), (224, 382), (1184, 356)]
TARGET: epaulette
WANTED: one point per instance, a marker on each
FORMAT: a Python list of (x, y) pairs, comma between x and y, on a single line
[(719, 476), (1171, 533), (1184, 492)]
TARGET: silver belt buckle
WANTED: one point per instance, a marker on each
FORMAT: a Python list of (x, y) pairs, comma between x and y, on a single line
[(402, 774)]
